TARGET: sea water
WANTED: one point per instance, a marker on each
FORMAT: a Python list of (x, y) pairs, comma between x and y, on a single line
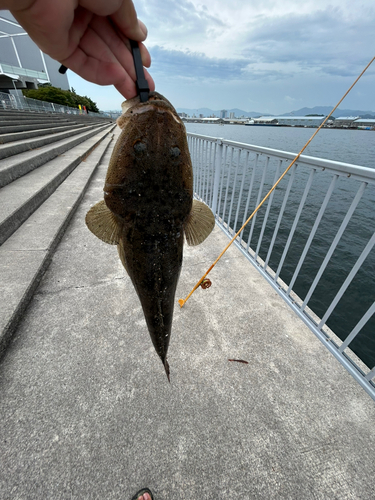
[(350, 146)]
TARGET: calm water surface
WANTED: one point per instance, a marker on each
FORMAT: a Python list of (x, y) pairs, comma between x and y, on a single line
[(350, 146)]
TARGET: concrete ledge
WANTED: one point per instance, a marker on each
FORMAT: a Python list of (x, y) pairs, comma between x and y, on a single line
[(10, 129), (25, 256), (13, 168), (32, 121), (17, 136), (21, 198), (23, 145)]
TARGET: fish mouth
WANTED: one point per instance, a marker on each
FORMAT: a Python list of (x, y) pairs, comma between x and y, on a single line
[(160, 108), (155, 100)]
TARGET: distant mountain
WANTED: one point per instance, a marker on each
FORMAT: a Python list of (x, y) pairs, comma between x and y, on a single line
[(325, 110), (318, 110)]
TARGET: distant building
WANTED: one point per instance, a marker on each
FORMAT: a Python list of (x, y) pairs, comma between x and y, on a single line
[(201, 116), (182, 115), (344, 121), (367, 123), (236, 121), (300, 121), (231, 115), (223, 113), (265, 120), (22, 64), (212, 120)]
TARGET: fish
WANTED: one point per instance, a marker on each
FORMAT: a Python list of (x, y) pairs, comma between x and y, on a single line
[(148, 208)]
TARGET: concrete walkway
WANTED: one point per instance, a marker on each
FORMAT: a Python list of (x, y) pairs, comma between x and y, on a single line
[(86, 411)]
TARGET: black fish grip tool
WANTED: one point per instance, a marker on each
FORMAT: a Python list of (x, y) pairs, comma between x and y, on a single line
[(142, 86)]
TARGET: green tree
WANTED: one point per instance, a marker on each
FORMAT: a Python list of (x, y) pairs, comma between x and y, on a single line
[(65, 97)]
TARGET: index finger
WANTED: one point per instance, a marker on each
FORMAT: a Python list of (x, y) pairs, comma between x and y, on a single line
[(123, 14)]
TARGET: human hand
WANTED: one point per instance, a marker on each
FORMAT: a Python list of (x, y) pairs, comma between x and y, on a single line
[(90, 37)]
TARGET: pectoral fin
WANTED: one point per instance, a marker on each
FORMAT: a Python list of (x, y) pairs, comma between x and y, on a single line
[(199, 224), (104, 224)]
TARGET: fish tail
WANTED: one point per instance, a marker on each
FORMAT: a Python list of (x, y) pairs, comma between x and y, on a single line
[(166, 367)]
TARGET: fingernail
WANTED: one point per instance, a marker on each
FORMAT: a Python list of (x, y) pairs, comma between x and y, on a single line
[(142, 27)]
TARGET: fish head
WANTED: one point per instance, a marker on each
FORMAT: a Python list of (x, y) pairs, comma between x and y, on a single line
[(150, 164)]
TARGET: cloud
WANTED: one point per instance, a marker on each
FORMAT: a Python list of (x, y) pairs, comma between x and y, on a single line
[(259, 55), (195, 66), (178, 24), (326, 41)]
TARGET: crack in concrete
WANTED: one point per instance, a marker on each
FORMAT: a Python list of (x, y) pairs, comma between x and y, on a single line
[(73, 287)]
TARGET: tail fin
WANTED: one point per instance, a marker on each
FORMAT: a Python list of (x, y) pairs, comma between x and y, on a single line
[(166, 367)]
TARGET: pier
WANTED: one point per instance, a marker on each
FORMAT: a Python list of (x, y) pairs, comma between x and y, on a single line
[(86, 411)]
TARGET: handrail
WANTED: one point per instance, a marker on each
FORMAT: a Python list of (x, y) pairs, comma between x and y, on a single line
[(342, 168), (20, 102), (231, 177)]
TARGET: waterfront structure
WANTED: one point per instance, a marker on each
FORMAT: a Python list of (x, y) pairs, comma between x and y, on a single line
[(263, 120), (194, 119), (364, 123), (236, 121), (344, 121), (300, 121), (289, 424), (290, 121), (22, 64)]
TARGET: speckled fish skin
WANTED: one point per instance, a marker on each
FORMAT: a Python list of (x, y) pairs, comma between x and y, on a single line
[(149, 184)]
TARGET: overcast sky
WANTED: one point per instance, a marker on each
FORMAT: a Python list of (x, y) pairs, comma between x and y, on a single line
[(271, 56)]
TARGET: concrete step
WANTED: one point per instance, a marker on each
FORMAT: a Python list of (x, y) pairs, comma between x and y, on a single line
[(23, 127), (25, 256), (30, 121), (6, 120), (23, 145), (18, 136), (24, 113), (16, 166), (33, 115), (22, 197)]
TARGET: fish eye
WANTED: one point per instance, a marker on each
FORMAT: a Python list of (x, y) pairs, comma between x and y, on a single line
[(175, 152), (139, 146)]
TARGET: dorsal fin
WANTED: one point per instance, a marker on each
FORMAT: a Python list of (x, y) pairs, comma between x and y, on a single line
[(104, 224), (199, 224)]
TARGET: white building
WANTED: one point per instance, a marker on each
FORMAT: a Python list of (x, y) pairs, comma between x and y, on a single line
[(300, 121), (22, 63), (344, 121), (364, 123), (264, 120)]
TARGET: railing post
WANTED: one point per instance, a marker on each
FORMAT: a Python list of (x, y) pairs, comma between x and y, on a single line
[(218, 158)]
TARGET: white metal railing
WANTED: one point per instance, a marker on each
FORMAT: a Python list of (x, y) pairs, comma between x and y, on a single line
[(17, 101), (313, 240)]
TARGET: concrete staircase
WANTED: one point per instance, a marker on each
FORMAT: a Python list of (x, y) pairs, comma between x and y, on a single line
[(46, 163)]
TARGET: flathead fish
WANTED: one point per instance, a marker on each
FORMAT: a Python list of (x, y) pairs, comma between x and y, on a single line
[(148, 207)]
